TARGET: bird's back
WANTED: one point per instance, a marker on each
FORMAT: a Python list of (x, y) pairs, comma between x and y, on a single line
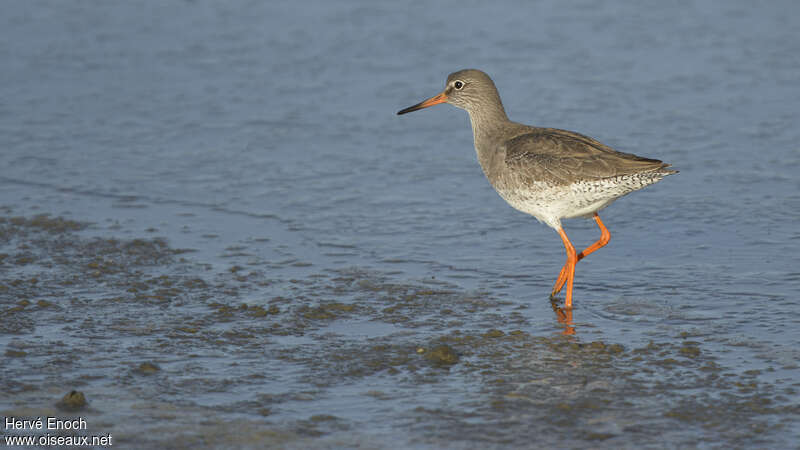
[(564, 157), (554, 174)]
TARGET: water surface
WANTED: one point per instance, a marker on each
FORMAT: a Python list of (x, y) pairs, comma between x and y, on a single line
[(224, 191)]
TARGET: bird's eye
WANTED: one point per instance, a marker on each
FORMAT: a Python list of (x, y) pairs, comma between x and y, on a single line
[(458, 85)]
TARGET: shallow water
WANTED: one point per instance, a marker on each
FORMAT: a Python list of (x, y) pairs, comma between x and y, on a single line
[(213, 225)]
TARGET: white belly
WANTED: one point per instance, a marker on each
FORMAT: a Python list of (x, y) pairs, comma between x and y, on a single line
[(551, 203)]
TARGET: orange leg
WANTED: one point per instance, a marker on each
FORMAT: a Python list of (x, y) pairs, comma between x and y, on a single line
[(605, 236), (572, 259)]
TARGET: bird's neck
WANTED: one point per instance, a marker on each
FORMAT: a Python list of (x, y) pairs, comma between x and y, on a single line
[(488, 122), (488, 126)]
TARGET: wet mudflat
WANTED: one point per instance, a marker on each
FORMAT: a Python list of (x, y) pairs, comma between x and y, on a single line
[(171, 354)]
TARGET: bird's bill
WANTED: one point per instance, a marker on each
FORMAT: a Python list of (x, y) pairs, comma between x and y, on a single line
[(435, 100)]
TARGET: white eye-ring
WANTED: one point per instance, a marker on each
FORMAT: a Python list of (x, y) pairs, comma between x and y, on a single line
[(458, 85)]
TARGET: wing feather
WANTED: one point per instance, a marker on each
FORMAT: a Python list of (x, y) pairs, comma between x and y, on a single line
[(560, 157)]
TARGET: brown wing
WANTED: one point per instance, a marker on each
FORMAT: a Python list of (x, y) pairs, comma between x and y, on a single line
[(561, 157)]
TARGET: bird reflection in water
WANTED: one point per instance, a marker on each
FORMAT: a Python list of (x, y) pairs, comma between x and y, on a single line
[(564, 317)]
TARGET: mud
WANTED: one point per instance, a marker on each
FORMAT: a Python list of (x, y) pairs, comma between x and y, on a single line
[(161, 348)]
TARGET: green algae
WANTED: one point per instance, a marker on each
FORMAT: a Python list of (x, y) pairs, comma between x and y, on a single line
[(72, 401), (442, 355), (147, 368)]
